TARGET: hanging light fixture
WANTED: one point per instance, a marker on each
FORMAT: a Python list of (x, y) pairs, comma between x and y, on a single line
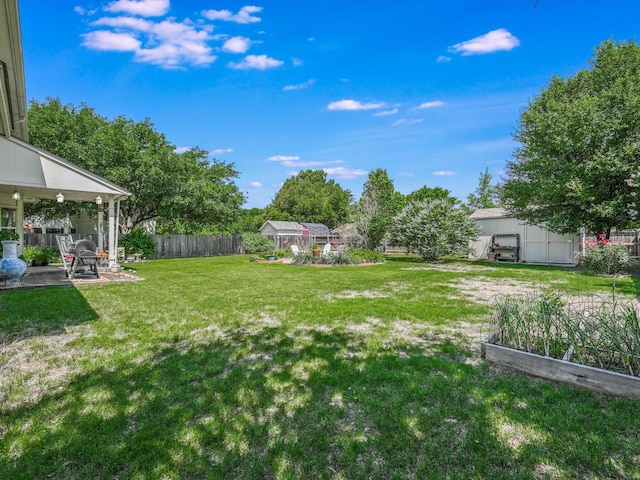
[(60, 197), (98, 200), (15, 195)]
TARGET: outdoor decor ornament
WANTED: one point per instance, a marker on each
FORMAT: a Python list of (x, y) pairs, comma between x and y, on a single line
[(11, 267)]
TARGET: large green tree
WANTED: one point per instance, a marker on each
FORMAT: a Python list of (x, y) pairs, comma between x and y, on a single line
[(485, 195), (434, 228), (427, 193), (184, 192), (378, 204), (310, 197), (579, 142)]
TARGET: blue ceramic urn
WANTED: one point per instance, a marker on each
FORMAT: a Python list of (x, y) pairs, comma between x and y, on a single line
[(11, 267)]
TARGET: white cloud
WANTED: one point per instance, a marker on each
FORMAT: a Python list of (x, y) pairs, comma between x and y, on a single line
[(433, 104), (443, 59), (110, 41), (181, 149), (294, 161), (384, 113), (406, 174), (311, 39), (345, 173), (308, 163), (283, 158), (236, 45), (354, 105), (255, 184), (444, 173), (406, 121), (297, 62), (300, 86), (494, 41), (243, 16), (173, 43), (83, 11), (143, 8), (258, 62), (221, 151), (168, 42)]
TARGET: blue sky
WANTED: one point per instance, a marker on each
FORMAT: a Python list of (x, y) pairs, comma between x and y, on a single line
[(429, 90)]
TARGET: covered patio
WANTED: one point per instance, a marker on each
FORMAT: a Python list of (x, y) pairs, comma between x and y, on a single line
[(29, 174), (54, 275)]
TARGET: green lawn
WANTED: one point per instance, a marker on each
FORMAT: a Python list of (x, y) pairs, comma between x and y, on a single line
[(223, 368)]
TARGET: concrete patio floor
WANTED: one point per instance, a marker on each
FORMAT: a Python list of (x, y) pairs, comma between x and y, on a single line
[(55, 275)]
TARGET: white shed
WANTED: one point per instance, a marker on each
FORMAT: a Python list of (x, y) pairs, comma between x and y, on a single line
[(517, 238)]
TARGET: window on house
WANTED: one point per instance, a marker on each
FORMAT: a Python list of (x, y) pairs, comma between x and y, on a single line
[(8, 219)]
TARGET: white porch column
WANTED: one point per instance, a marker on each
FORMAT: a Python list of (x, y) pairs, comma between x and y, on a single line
[(113, 247), (101, 228), (19, 222)]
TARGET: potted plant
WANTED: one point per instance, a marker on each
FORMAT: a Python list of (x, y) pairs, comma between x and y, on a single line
[(315, 249)]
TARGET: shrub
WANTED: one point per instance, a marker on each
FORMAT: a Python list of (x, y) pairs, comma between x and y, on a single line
[(435, 228), (30, 253), (603, 257), (138, 241), (256, 243), (366, 256), (307, 258), (341, 257), (52, 254)]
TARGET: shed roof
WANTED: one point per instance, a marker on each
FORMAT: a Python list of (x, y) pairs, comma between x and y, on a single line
[(279, 225), (486, 213), (317, 229)]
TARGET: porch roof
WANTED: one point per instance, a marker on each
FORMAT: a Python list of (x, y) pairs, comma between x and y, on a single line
[(38, 174)]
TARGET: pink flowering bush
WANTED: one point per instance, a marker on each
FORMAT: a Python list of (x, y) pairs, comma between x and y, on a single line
[(603, 257)]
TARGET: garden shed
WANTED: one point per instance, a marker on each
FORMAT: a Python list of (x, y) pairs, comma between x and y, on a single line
[(509, 238), (283, 234)]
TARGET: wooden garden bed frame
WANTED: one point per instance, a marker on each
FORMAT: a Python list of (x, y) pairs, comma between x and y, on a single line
[(564, 371)]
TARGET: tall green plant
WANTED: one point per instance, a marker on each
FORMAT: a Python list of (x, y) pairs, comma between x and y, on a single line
[(256, 243), (138, 241)]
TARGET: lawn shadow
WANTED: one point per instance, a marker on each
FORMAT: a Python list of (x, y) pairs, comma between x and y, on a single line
[(315, 404), (27, 313)]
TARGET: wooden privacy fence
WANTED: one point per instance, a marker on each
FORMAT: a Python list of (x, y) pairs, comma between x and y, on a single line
[(167, 246), (44, 240), (629, 239), (181, 246)]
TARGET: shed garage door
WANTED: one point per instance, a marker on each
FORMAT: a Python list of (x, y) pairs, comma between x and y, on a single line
[(543, 246)]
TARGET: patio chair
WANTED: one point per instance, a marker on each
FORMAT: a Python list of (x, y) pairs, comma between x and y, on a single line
[(64, 241), (326, 250), (295, 250)]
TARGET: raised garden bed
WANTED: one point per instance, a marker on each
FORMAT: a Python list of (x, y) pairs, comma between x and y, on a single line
[(560, 370)]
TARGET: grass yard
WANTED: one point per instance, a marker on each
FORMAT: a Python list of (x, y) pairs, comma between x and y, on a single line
[(223, 368)]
